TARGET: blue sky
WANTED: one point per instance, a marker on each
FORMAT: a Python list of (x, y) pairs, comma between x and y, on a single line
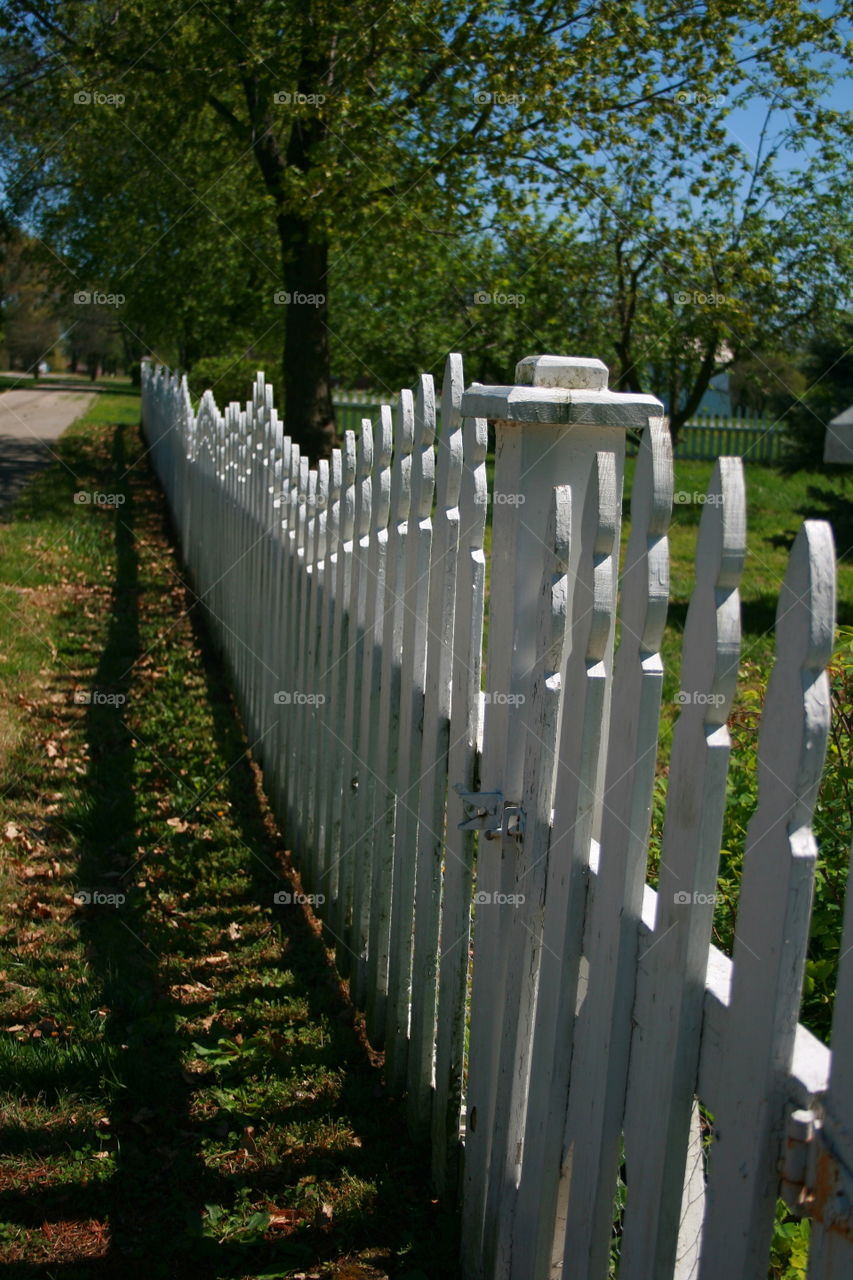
[(745, 124)]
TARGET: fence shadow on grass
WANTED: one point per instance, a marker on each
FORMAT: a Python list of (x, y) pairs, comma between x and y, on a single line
[(157, 1180), (405, 1211), (147, 1218)]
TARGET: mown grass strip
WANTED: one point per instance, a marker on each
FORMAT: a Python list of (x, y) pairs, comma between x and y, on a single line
[(183, 1088)]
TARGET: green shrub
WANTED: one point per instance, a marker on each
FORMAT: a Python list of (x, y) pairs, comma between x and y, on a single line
[(828, 368), (230, 378)]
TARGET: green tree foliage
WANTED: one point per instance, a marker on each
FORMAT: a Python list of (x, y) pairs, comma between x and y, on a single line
[(242, 157), (827, 367)]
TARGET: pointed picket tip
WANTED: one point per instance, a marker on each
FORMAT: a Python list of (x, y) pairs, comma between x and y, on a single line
[(322, 493), (423, 457), (382, 449), (600, 521), (349, 458), (645, 583), (336, 471), (721, 545), (451, 393), (796, 717), (347, 508), (608, 500), (450, 437), (365, 448), (401, 472), (805, 614), (554, 592), (405, 423), (364, 497), (425, 409), (385, 436), (654, 481), (208, 403), (712, 631)]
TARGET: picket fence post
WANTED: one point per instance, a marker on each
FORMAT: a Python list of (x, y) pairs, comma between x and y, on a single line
[(550, 429)]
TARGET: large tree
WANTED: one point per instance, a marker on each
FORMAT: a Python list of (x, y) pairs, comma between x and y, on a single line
[(29, 307), (339, 118)]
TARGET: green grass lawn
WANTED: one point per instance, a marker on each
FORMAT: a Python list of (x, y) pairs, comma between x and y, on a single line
[(185, 1090)]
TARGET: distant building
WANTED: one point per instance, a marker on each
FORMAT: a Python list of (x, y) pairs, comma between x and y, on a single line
[(838, 445)]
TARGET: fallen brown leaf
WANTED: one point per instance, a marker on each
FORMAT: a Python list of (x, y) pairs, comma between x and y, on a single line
[(285, 1219)]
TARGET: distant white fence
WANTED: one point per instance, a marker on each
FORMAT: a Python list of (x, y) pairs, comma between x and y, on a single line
[(478, 843), (710, 436), (705, 438)]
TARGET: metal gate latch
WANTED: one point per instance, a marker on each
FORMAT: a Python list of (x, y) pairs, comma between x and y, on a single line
[(815, 1182), (486, 811)]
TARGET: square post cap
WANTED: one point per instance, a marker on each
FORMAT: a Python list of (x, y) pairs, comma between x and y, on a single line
[(562, 391)]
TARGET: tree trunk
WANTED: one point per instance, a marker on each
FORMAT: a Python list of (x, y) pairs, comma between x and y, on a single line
[(678, 417), (308, 412)]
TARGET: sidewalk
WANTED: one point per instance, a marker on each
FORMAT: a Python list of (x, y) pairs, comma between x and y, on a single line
[(31, 419)]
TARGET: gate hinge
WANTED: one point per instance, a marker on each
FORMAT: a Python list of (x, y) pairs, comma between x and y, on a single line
[(815, 1181), (487, 811)]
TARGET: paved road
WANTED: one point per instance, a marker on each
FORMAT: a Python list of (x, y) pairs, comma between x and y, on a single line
[(30, 420)]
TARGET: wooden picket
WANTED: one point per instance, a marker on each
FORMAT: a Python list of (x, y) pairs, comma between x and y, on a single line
[(476, 847)]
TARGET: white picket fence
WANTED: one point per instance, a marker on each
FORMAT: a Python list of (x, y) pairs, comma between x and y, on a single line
[(478, 846), (706, 437)]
